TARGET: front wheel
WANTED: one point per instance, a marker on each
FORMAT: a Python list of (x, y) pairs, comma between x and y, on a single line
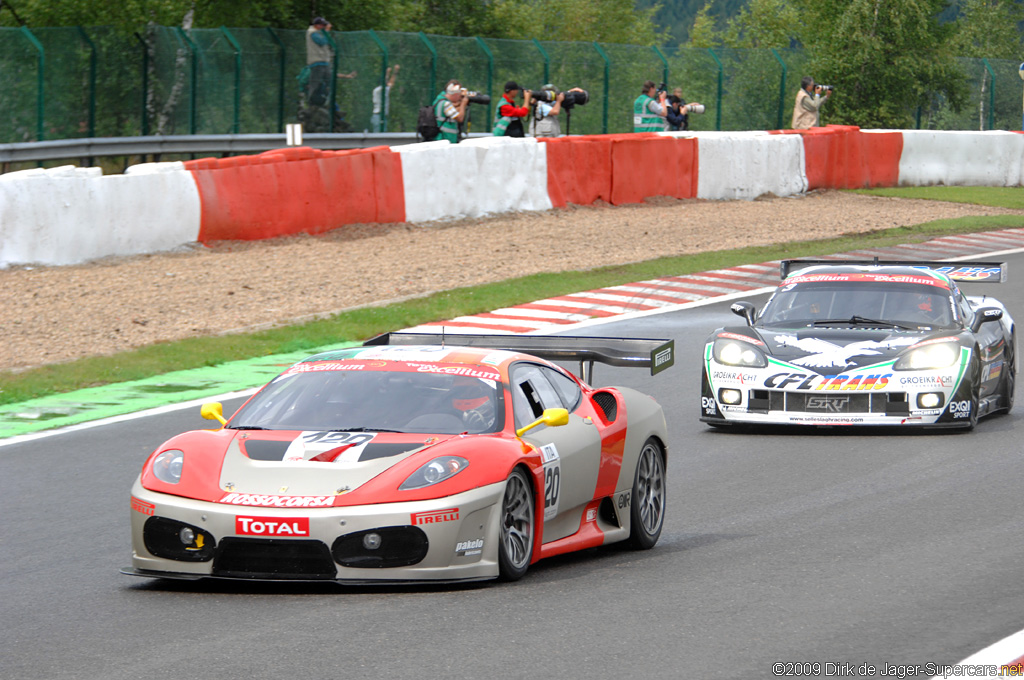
[(516, 547), (647, 506)]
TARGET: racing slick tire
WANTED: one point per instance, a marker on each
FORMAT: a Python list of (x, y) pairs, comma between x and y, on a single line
[(515, 547), (647, 506), (1010, 376)]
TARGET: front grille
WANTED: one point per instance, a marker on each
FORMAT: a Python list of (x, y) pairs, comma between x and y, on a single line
[(399, 547), (275, 558), (891, 403)]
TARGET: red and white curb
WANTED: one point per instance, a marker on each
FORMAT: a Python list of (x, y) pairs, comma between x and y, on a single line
[(671, 292)]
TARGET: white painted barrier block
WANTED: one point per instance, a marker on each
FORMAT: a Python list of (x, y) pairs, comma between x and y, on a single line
[(745, 165), (477, 177), (71, 215), (961, 158)]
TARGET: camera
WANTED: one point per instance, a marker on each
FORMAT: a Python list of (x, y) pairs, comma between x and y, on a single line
[(662, 88), (476, 97), (694, 108), (826, 88), (577, 97)]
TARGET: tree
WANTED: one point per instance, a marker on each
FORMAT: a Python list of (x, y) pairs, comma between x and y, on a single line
[(764, 23), (885, 57), (988, 28), (704, 33)]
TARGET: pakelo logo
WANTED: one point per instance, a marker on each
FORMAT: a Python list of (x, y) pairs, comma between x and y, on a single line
[(960, 409), (434, 516), (474, 547), (272, 526)]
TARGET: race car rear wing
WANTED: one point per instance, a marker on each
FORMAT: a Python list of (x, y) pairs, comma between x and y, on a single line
[(627, 352), (973, 272)]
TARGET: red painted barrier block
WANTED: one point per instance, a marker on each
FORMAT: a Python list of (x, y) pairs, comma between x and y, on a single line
[(639, 169), (579, 170), (298, 190)]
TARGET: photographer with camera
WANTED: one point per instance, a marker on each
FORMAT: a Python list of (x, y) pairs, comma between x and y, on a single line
[(507, 116), (806, 111), (548, 103), (649, 109), (450, 110)]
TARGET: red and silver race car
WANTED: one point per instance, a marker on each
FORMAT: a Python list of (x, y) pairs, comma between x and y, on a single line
[(415, 457)]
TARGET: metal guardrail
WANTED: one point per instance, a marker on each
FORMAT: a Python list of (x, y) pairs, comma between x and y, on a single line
[(156, 146)]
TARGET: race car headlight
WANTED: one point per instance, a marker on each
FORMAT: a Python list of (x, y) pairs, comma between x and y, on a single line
[(939, 355), (735, 353), (437, 470), (167, 466)]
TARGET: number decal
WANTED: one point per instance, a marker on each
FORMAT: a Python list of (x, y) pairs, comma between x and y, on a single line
[(552, 479)]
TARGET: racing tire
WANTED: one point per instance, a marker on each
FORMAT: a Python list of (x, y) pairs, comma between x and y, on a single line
[(647, 500), (1010, 376), (515, 547)]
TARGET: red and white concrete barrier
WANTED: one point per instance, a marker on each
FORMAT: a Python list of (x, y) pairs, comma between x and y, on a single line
[(70, 215)]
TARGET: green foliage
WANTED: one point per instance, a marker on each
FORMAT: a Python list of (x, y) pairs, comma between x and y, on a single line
[(988, 28), (764, 23), (886, 58), (704, 33)]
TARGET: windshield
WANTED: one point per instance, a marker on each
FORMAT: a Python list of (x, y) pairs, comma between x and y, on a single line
[(353, 396), (862, 303)]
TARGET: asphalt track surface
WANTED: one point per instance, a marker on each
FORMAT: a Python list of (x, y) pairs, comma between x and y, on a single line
[(895, 550)]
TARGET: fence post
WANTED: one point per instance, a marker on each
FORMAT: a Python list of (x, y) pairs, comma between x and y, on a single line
[(782, 88), (718, 111), (607, 80), (383, 81), (145, 84), (547, 61), (280, 79), (332, 99), (40, 80), (490, 73), (92, 81), (433, 65), (238, 76), (664, 61), (194, 77), (991, 96)]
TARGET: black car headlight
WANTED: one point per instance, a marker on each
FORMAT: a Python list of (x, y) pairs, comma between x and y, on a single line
[(928, 357), (437, 470), (738, 353)]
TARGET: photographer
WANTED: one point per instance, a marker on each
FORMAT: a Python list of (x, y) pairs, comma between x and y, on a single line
[(649, 109), (507, 116), (544, 121), (806, 111), (450, 110)]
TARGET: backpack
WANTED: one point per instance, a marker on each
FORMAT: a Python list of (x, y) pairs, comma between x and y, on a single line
[(426, 124)]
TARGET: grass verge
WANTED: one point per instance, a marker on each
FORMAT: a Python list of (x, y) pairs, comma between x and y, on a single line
[(359, 324), (999, 197)]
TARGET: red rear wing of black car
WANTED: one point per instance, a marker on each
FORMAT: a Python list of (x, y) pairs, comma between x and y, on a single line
[(628, 352), (973, 272)]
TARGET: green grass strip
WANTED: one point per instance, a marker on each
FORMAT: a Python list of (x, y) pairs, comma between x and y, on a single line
[(357, 325), (999, 197)]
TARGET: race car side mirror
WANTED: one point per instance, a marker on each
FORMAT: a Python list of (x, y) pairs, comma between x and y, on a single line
[(985, 314), (552, 417), (213, 411), (745, 309)]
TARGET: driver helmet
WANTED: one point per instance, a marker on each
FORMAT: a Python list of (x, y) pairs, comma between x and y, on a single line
[(468, 394)]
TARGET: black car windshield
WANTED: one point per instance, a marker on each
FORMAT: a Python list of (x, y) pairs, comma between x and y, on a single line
[(357, 397), (859, 303)]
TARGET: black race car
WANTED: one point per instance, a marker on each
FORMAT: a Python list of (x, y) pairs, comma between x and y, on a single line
[(864, 343)]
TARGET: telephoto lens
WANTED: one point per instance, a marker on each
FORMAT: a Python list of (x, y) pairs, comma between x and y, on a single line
[(577, 98)]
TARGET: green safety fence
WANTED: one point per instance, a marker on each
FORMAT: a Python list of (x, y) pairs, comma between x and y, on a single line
[(72, 82)]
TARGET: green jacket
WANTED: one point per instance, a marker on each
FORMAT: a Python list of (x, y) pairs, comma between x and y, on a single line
[(643, 119), (449, 127)]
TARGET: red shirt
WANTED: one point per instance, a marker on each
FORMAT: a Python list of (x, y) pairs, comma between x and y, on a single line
[(509, 109)]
